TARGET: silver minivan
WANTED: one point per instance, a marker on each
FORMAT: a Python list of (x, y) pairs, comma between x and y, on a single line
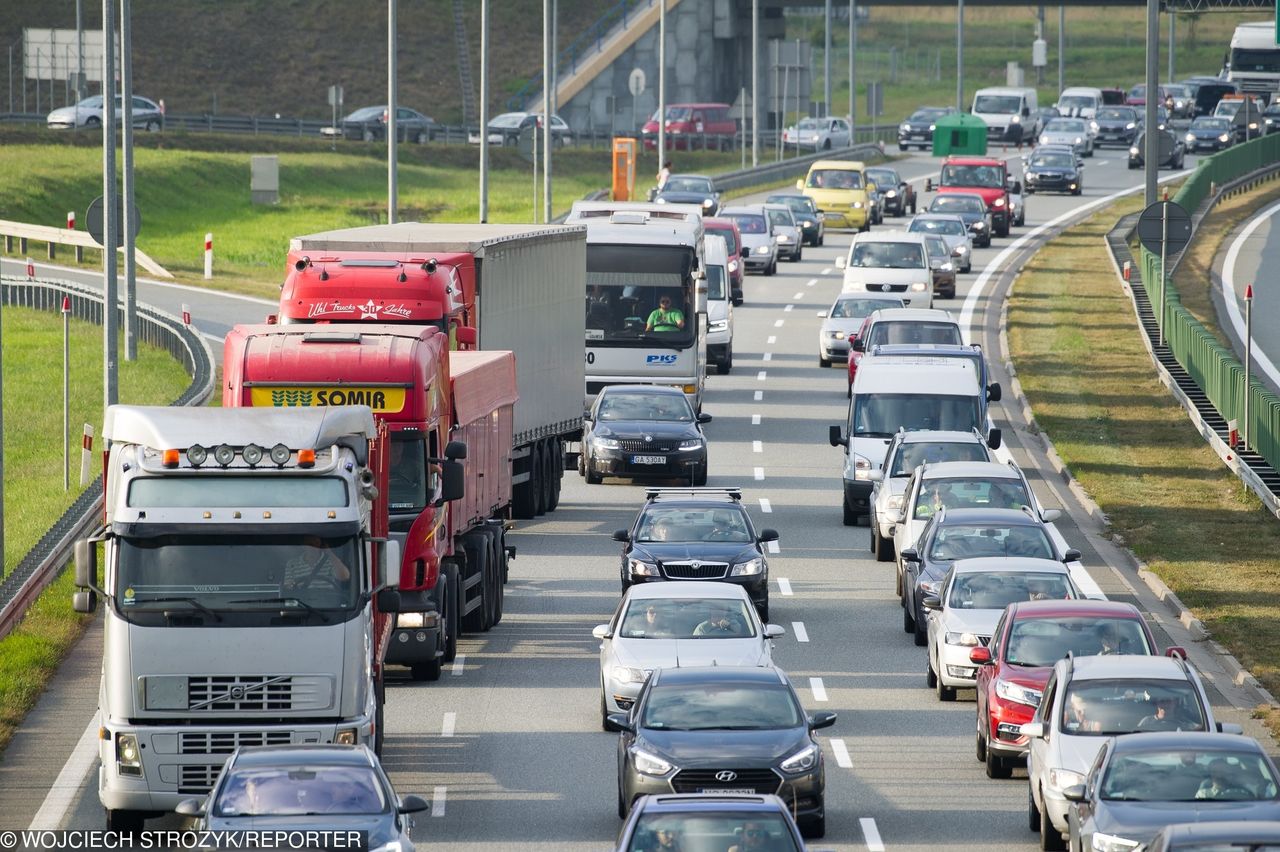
[(719, 304)]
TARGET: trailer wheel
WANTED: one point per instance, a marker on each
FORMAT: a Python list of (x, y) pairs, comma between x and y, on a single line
[(548, 485), (477, 620), (449, 600), (555, 467)]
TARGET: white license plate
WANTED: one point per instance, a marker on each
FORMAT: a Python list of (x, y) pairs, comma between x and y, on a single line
[(648, 459), (723, 790)]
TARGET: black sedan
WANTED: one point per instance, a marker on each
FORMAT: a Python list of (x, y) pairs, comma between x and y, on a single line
[(897, 195), (644, 431), (1053, 171), (1209, 134), (806, 214), (1172, 151), (726, 730), (697, 190), (1140, 783), (918, 128), (1117, 125), (697, 535), (370, 124)]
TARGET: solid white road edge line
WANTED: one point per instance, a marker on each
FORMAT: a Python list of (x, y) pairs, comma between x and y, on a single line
[(841, 753), (1229, 289), (784, 585), (819, 691), (437, 802), (871, 834), (802, 635), (66, 786)]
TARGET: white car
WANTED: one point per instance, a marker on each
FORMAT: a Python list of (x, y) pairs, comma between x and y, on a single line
[(952, 229), (665, 625), (147, 114), (894, 263), (1076, 132), (820, 134), (964, 613)]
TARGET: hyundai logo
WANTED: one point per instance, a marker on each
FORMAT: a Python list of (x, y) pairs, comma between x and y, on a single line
[(726, 775)]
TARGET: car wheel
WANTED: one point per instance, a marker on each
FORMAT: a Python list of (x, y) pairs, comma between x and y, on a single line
[(980, 744), (762, 608), (815, 828), (1050, 837), (93, 121), (949, 293), (1033, 813), (822, 239), (930, 676), (623, 809), (823, 362), (773, 267), (593, 478), (902, 147), (947, 693), (700, 476), (921, 631), (1078, 191), (799, 255), (908, 621), (882, 546), (997, 767), (151, 126), (968, 267), (422, 137), (125, 821), (897, 581), (850, 516)]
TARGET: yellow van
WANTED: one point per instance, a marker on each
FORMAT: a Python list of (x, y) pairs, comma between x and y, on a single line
[(839, 189)]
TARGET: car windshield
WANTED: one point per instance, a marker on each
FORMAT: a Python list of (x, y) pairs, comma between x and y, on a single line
[(893, 255), (681, 618), (1175, 90), (884, 178), (685, 524), (638, 405), (927, 114), (1038, 642), (712, 706), (950, 227), (855, 308), (1116, 114), (810, 124), (952, 203), (998, 589), (960, 175), (966, 541), (749, 223), (970, 494), (1189, 775), (908, 331), (781, 217), (799, 204), (300, 790), (880, 415), (1076, 102), (764, 831), (676, 183), (730, 239), (997, 104), (1206, 123), (834, 179), (1053, 161), (1104, 708), (1065, 125), (909, 456)]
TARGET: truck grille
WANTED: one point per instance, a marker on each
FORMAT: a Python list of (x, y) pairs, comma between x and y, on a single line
[(746, 780), (225, 742), (639, 445), (240, 692), (197, 778), (696, 570)]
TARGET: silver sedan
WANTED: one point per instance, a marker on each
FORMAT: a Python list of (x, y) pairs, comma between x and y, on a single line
[(1076, 132)]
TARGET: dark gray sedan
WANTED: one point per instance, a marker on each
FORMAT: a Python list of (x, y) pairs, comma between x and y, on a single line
[(370, 125), (697, 190), (644, 431), (307, 788), (1139, 783), (723, 729)]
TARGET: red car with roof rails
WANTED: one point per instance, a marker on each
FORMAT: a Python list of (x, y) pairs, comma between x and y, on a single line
[(985, 176), (1030, 637), (728, 229)]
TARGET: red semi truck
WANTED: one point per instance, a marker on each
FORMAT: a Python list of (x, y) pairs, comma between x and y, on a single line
[(454, 554), (505, 287)]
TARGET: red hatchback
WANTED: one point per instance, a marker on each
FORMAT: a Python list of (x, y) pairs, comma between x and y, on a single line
[(728, 229), (1014, 668)]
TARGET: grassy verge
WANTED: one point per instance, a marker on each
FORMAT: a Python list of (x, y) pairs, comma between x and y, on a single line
[(1075, 342), (33, 492)]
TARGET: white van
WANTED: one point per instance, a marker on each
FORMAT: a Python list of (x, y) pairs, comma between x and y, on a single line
[(1011, 113), (893, 392), (719, 304), (1079, 102), (890, 263)]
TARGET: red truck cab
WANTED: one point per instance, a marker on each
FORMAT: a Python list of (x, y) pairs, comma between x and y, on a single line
[(985, 176)]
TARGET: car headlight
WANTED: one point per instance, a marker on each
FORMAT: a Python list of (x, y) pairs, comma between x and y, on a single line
[(1131, 125), (893, 193), (660, 200), (1061, 779), (1093, 125), (968, 640), (733, 265), (857, 205), (128, 757), (1010, 691), (919, 287), (947, 267), (784, 238), (802, 761), (1111, 843), (1191, 137), (979, 226), (627, 674), (691, 444), (904, 127), (895, 501), (808, 223), (932, 127), (961, 251), (650, 764), (999, 202), (861, 466), (748, 568), (719, 325), (606, 443), (1224, 138), (929, 587), (1017, 119), (707, 202), (1133, 152), (763, 250), (1079, 141), (1044, 139), (837, 335), (641, 568)]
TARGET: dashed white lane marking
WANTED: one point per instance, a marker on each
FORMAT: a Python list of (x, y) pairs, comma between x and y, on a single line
[(1099, 163), (759, 472), (777, 323), (841, 752), (802, 635), (437, 802), (826, 271), (450, 721), (757, 446), (820, 313), (758, 396), (784, 585), (66, 787), (768, 356), (755, 420), (459, 663), (788, 308), (819, 690), (772, 340), (799, 295), (772, 546), (811, 282), (871, 835), (765, 505), (760, 376)]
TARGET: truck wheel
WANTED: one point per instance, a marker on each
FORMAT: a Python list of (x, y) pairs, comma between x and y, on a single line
[(523, 502), (125, 820), (496, 553), (548, 478), (450, 604), (556, 466), (537, 480), (426, 671), (477, 621)]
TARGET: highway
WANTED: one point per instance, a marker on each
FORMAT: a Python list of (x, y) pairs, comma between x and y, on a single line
[(508, 746), (1242, 260)]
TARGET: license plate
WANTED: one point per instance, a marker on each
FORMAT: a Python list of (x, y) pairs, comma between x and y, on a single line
[(722, 790), (648, 459)]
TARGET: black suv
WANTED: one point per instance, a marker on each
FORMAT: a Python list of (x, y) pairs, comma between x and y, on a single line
[(697, 534)]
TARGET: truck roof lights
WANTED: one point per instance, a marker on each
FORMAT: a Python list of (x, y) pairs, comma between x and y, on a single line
[(224, 455), (306, 458), (280, 454), (430, 266), (252, 454), (170, 458), (197, 455)]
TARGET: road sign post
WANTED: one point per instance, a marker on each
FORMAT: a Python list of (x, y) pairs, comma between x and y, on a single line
[(1164, 228), (1248, 358), (66, 393)]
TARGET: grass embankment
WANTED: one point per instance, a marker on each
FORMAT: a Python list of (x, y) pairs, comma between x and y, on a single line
[(1074, 340), (33, 494)]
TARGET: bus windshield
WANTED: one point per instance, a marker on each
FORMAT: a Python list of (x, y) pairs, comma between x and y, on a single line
[(640, 295)]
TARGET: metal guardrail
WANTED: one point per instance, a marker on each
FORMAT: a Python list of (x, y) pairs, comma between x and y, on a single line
[(794, 167), (20, 588), (51, 237)]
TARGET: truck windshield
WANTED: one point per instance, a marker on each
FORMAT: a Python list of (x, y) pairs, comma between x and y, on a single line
[(882, 414), (997, 104), (639, 295), (408, 473), (220, 574), (1256, 61)]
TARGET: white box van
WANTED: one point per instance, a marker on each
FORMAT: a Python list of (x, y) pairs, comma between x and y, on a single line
[(1011, 113), (893, 392), (890, 263), (719, 304), (1079, 102)]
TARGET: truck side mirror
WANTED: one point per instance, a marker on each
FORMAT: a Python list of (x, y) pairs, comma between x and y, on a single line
[(452, 481), (465, 334), (389, 558), (841, 262), (835, 437), (455, 450), (86, 559), (388, 600)]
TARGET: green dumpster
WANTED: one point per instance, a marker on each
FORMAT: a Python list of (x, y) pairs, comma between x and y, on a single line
[(959, 133)]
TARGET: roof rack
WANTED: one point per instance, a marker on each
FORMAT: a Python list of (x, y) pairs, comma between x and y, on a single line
[(708, 491)]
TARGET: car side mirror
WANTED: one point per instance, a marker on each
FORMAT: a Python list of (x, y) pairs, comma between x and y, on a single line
[(602, 631), (857, 345), (1176, 651), (910, 555), (621, 535), (931, 602), (619, 722), (1026, 112), (1230, 728), (704, 418), (876, 476), (190, 807), (773, 631), (994, 438), (824, 719), (841, 262), (836, 438), (1034, 730), (993, 392), (980, 656), (1072, 555), (822, 314), (1050, 515), (767, 534), (928, 184), (413, 804), (1017, 187), (1074, 793)]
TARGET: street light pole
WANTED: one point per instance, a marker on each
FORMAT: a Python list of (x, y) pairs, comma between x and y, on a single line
[(392, 182), (755, 84), (126, 220), (1248, 357), (826, 65), (853, 47), (110, 222), (960, 55), (484, 111), (546, 112), (662, 83), (1151, 136)]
